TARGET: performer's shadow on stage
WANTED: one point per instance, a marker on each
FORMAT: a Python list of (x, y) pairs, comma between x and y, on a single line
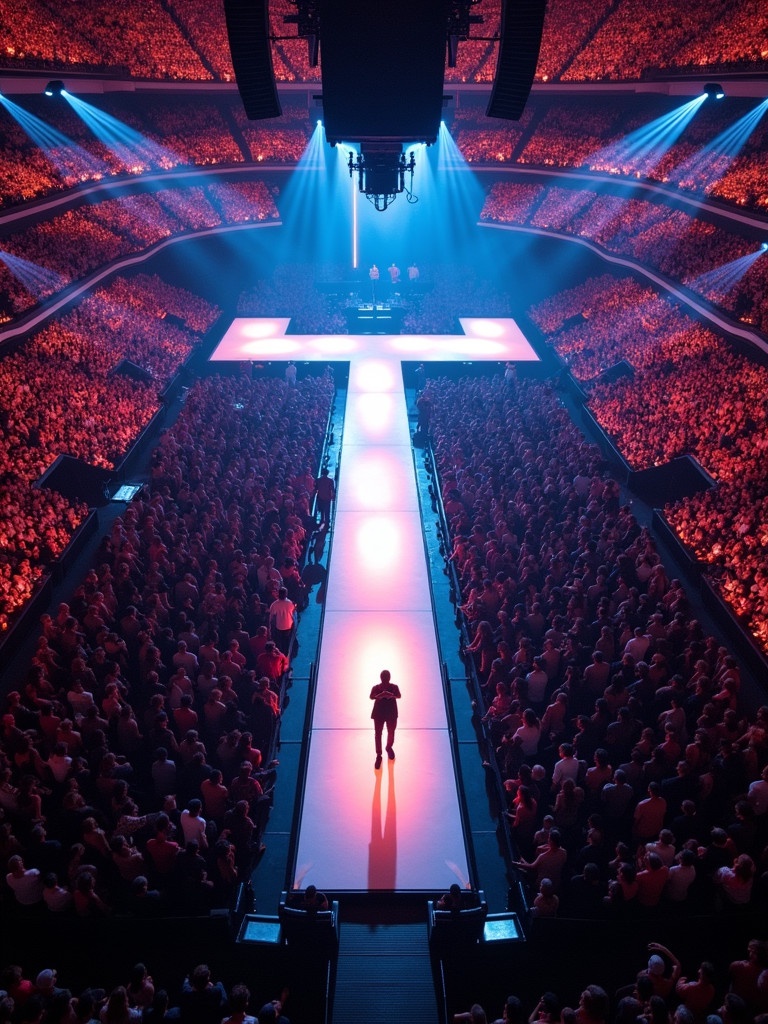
[(382, 851)]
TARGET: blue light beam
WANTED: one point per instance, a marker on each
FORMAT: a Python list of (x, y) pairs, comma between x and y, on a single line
[(134, 150), (704, 169), (718, 283), (314, 205), (39, 281), (464, 193), (644, 149), (70, 160)]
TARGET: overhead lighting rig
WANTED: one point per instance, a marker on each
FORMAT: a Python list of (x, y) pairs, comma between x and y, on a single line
[(381, 172), (459, 22), (307, 22)]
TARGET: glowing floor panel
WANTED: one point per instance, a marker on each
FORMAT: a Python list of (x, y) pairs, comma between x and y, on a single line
[(386, 548), (376, 420), (356, 647), (256, 338), (376, 478)]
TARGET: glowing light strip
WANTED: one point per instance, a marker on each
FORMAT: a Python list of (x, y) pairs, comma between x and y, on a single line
[(354, 224)]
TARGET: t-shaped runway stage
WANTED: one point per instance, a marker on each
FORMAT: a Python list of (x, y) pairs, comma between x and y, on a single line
[(399, 827)]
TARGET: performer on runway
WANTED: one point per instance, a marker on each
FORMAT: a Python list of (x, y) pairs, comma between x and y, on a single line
[(385, 696), (373, 273), (394, 274)]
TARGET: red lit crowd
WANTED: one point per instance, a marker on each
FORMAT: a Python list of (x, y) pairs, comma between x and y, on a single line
[(135, 764), (201, 997), (60, 396), (664, 990), (576, 133), (570, 133), (177, 132), (636, 779), (71, 245), (690, 393), (187, 41), (726, 530), (682, 247)]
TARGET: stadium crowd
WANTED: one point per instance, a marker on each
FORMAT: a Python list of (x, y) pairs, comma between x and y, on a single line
[(726, 530), (135, 753), (571, 133), (659, 993), (290, 291), (690, 393), (187, 41), (75, 243), (615, 721), (686, 249), (53, 995), (167, 134), (81, 408), (580, 133)]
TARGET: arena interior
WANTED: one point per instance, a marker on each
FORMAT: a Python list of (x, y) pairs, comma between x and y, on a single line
[(275, 420)]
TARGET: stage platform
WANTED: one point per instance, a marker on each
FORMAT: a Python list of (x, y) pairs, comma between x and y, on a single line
[(265, 338), (399, 828)]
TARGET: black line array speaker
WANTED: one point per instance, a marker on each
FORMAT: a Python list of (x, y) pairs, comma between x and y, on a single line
[(522, 22), (248, 31)]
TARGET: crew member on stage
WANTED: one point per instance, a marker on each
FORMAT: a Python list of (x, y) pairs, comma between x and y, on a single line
[(385, 696)]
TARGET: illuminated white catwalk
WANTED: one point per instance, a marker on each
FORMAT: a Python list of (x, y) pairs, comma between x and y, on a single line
[(398, 828)]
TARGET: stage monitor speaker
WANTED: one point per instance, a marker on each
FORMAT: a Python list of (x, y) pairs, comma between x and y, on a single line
[(248, 31), (522, 22), (76, 480)]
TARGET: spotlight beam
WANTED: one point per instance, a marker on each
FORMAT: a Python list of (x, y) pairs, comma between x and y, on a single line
[(69, 159), (713, 160), (718, 283), (133, 149), (645, 147), (39, 281)]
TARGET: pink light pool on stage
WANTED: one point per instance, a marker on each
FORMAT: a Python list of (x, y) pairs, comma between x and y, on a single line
[(481, 348), (375, 413), (357, 645), (265, 328), (373, 480), (413, 346), (484, 328), (374, 376), (335, 345), (270, 348), (379, 546)]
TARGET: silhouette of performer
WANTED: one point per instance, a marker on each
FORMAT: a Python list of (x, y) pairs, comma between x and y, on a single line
[(385, 696)]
